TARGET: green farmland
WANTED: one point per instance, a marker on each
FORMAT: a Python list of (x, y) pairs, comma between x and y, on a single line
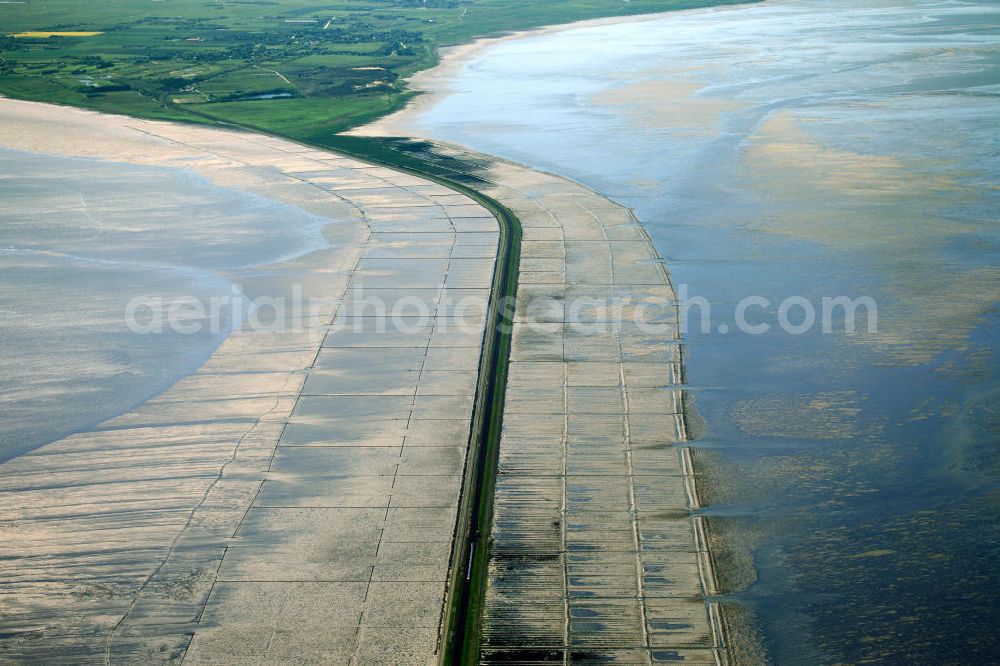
[(299, 68)]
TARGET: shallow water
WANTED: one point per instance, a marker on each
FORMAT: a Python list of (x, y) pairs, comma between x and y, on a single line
[(811, 149), (79, 239)]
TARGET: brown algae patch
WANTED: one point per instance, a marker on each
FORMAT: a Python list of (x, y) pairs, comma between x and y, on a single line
[(668, 105), (784, 163), (833, 415), (864, 203)]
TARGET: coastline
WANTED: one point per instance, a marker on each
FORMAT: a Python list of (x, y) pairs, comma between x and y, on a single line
[(63, 497), (431, 85)]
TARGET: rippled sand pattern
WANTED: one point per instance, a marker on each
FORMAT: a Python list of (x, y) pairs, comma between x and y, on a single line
[(595, 556), (294, 500)]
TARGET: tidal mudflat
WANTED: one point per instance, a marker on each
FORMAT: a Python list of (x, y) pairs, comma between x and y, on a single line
[(801, 149), (594, 555), (294, 498), (81, 238)]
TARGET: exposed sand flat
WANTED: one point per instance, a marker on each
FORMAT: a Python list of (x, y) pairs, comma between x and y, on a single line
[(595, 552), (294, 500)]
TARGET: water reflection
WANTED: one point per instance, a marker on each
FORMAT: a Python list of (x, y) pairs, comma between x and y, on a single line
[(79, 240)]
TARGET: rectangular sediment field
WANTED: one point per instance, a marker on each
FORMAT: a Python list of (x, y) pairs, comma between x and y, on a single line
[(595, 556), (294, 500)]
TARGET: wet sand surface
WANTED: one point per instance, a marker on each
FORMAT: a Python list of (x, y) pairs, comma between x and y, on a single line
[(294, 499), (81, 240), (595, 556)]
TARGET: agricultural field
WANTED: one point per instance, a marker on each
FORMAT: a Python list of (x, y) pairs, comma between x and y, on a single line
[(298, 68)]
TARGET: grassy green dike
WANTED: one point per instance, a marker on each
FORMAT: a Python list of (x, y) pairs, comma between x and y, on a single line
[(305, 71)]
